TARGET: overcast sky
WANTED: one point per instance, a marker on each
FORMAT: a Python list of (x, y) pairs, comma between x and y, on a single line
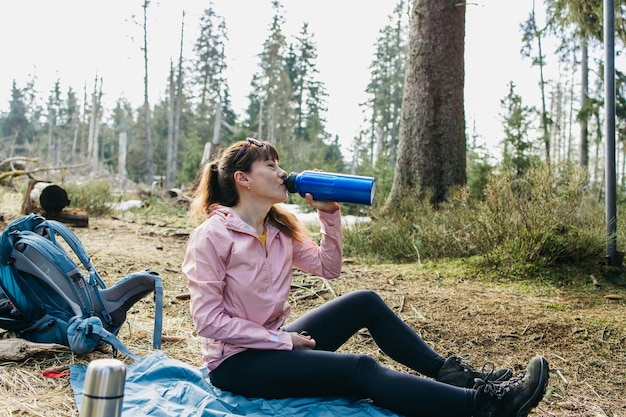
[(73, 40)]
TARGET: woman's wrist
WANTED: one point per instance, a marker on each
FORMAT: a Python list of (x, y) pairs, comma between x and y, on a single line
[(332, 209)]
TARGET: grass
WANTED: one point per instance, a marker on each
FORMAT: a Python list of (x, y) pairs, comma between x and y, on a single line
[(544, 226)]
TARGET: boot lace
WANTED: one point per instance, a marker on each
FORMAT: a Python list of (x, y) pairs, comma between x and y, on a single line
[(486, 371), (501, 388)]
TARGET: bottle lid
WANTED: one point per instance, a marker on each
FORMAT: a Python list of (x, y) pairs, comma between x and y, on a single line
[(290, 182), (105, 379)]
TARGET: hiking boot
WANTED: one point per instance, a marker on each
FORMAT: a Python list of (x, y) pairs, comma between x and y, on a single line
[(455, 372), (515, 397)]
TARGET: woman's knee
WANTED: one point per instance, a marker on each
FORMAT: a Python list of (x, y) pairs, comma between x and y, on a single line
[(367, 297), (364, 366), (365, 371)]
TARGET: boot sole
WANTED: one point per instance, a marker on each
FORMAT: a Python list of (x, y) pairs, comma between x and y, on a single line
[(539, 391)]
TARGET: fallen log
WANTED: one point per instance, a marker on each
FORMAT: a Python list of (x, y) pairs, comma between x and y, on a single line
[(17, 163), (8, 174), (50, 201), (15, 349), (51, 198), (44, 197)]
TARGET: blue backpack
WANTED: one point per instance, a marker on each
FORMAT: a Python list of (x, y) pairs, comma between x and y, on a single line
[(45, 298)]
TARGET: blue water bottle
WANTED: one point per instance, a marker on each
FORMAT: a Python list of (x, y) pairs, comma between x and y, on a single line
[(329, 186)]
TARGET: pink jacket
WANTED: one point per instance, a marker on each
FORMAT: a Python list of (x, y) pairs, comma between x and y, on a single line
[(240, 288)]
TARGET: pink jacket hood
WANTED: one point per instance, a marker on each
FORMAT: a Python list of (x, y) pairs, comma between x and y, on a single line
[(240, 288)]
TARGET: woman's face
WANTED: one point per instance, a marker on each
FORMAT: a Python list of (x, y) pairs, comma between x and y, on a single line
[(266, 181)]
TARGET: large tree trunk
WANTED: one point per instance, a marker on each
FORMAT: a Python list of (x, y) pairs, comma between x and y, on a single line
[(432, 145)]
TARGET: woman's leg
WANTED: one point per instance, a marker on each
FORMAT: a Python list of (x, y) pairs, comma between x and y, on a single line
[(334, 322), (312, 373)]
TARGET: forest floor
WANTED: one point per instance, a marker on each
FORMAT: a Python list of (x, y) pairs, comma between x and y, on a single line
[(582, 333)]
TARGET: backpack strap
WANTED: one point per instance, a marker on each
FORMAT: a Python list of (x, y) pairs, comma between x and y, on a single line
[(121, 296), (55, 227), (112, 340), (74, 243), (158, 312)]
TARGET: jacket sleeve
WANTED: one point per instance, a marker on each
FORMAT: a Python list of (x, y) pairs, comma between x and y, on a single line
[(204, 266), (325, 259)]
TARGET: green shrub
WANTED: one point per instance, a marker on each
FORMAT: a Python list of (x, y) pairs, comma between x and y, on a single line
[(160, 207), (546, 218), (94, 197)]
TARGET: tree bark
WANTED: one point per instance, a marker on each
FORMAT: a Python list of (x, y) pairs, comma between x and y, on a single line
[(432, 144)]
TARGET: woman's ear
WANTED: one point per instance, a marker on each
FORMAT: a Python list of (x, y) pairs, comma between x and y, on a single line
[(241, 179)]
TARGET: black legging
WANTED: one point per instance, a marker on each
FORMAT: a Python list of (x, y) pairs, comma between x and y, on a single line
[(324, 372)]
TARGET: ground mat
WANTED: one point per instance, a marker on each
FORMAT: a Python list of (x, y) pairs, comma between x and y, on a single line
[(159, 386)]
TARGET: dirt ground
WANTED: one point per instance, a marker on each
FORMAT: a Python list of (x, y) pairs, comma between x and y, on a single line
[(583, 338)]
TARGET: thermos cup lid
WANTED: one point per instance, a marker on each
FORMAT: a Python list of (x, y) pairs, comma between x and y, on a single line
[(105, 379)]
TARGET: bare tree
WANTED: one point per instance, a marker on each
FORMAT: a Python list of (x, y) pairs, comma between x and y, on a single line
[(584, 98), (146, 102), (172, 160), (169, 177), (532, 33), (94, 124)]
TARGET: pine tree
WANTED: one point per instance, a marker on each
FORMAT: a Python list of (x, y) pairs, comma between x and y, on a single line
[(71, 122), (386, 85), (209, 81), (532, 33), (270, 111), (309, 93), (517, 124), (54, 110), (309, 103), (17, 130)]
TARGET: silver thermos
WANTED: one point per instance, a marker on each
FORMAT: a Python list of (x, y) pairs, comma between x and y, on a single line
[(103, 393)]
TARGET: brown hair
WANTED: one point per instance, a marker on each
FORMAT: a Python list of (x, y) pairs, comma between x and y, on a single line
[(215, 185)]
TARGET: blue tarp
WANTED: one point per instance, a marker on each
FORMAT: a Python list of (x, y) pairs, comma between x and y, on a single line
[(159, 386)]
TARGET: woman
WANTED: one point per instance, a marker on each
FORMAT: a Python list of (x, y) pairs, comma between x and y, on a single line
[(239, 268)]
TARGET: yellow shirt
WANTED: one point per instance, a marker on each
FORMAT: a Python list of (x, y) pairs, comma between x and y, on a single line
[(262, 237)]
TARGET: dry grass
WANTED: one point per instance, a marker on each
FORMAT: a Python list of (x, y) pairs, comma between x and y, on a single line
[(582, 337)]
